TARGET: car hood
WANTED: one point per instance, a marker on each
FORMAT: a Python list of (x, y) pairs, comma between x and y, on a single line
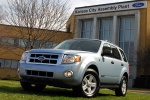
[(57, 51)]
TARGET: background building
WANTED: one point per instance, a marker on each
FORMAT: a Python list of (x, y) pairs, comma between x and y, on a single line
[(126, 24), (12, 46)]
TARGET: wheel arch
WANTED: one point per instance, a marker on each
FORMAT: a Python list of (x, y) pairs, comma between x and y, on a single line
[(94, 67), (126, 75)]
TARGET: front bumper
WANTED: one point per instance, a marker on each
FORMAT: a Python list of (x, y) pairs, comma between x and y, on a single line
[(52, 75)]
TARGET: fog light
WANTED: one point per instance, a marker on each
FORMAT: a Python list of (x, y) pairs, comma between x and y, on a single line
[(68, 73)]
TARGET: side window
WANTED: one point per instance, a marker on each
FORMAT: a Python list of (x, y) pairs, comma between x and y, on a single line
[(123, 55), (106, 50), (115, 53)]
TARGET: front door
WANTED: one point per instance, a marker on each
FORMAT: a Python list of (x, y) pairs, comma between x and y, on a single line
[(111, 65)]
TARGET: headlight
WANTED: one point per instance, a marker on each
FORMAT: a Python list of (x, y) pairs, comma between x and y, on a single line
[(71, 58), (24, 56)]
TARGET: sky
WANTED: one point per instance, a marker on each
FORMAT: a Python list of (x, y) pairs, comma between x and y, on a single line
[(81, 3)]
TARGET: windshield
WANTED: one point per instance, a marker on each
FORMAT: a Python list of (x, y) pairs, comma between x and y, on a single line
[(80, 44)]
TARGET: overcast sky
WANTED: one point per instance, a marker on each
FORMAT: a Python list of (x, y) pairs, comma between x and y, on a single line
[(80, 3)]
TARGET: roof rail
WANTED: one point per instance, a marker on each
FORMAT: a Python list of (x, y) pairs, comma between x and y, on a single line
[(108, 41), (111, 42)]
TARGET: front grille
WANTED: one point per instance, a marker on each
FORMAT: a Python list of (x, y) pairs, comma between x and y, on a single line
[(43, 58), (39, 73)]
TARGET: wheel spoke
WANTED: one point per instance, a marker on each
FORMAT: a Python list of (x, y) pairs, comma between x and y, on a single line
[(122, 90), (91, 78), (89, 84), (124, 87), (84, 87), (89, 90), (85, 80), (93, 85)]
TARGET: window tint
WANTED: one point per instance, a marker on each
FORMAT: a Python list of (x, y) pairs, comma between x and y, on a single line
[(123, 55), (115, 53), (106, 47), (80, 44)]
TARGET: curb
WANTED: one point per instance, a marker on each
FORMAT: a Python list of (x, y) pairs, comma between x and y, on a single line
[(141, 91)]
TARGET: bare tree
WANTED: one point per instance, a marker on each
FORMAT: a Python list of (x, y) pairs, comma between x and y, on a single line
[(2, 14), (38, 20), (143, 64)]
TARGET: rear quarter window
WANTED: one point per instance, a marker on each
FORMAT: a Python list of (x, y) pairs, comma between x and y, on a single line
[(123, 55)]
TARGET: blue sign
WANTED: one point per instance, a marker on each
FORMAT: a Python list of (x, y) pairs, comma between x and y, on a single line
[(137, 5)]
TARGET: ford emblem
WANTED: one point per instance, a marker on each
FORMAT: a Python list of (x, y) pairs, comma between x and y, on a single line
[(41, 58), (137, 5)]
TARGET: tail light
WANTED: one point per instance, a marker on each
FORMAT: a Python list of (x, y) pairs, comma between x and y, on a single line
[(128, 68)]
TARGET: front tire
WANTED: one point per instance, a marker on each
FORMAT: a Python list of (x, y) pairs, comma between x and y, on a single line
[(90, 84), (122, 90), (32, 87)]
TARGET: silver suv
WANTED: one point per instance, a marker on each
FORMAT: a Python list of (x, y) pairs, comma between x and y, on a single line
[(84, 65)]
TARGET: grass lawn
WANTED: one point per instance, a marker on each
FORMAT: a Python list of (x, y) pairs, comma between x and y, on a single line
[(11, 90)]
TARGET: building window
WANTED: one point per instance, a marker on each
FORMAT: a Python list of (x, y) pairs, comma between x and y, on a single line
[(21, 42), (49, 45), (126, 36), (10, 41), (16, 41), (68, 28), (86, 31), (36, 44), (106, 29), (6, 41)]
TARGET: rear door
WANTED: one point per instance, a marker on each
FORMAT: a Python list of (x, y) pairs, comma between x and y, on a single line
[(117, 65)]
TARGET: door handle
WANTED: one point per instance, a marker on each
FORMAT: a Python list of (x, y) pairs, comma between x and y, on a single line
[(122, 64), (112, 62)]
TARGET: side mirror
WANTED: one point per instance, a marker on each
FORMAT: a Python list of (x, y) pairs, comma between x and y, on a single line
[(107, 52)]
